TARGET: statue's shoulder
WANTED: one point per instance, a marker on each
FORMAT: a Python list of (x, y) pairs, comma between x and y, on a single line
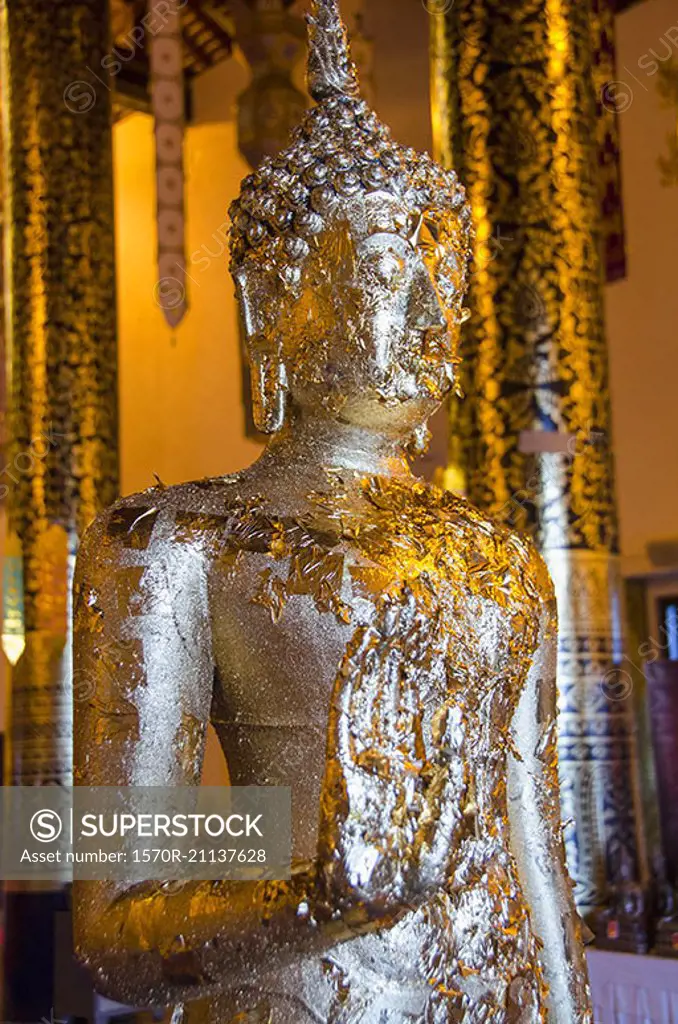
[(179, 512), (484, 533)]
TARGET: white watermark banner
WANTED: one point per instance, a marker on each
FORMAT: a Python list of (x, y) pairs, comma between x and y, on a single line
[(137, 834)]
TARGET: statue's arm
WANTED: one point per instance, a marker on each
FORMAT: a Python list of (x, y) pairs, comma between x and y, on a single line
[(536, 834), (143, 681)]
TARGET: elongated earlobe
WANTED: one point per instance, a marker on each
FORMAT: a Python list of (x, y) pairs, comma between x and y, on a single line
[(258, 293), (269, 386)]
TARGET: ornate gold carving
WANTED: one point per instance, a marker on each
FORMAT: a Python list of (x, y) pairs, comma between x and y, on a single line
[(61, 339)]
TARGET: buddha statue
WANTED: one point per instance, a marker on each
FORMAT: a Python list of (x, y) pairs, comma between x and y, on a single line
[(351, 632)]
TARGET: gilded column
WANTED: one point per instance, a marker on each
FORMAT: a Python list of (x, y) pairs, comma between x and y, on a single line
[(62, 463), (515, 111)]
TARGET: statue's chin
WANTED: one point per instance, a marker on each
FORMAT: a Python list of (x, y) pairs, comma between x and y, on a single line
[(423, 388), (395, 402)]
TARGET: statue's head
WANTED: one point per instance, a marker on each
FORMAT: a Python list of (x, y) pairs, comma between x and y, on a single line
[(350, 256)]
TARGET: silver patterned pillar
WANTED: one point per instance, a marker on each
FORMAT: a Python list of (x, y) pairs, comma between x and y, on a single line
[(515, 113)]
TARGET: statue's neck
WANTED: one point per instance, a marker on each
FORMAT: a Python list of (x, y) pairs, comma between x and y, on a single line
[(307, 448)]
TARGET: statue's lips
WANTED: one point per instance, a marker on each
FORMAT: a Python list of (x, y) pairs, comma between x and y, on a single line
[(423, 369), (424, 383)]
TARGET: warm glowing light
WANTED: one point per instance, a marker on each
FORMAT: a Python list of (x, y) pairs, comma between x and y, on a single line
[(454, 479), (14, 645)]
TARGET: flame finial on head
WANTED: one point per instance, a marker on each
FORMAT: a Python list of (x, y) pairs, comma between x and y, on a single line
[(331, 72)]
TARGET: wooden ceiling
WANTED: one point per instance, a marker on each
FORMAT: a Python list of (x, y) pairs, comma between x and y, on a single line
[(207, 30), (623, 5), (206, 25)]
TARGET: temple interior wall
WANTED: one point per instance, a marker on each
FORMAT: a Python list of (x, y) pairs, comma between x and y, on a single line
[(642, 311)]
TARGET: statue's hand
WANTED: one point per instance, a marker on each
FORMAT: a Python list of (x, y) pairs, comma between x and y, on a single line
[(391, 795)]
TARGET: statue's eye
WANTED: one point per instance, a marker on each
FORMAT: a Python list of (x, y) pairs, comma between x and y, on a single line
[(447, 288), (447, 277), (389, 269)]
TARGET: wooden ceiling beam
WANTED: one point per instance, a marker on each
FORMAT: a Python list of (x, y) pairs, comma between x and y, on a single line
[(624, 5), (200, 56), (212, 25)]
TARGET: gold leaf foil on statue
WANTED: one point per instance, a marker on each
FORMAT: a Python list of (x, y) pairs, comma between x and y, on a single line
[(350, 631)]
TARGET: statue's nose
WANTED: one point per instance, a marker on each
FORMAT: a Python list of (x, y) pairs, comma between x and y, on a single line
[(426, 309)]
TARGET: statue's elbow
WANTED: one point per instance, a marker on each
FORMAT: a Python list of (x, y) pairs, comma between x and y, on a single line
[(116, 976), (99, 947)]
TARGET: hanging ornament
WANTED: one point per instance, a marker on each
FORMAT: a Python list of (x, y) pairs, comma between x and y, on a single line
[(167, 100), (13, 623), (272, 39)]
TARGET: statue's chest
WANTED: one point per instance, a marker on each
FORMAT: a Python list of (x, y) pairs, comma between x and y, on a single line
[(289, 594), (413, 606)]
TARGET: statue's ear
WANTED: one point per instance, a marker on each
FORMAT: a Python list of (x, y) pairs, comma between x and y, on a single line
[(259, 300)]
